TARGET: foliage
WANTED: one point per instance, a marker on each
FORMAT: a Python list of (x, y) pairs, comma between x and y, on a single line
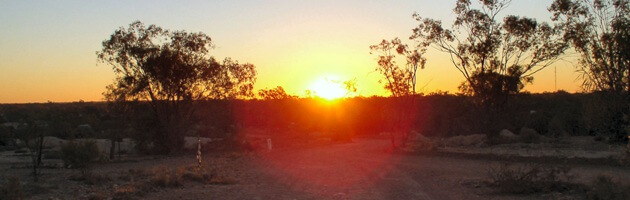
[(599, 31), (165, 177), (496, 57), (606, 115), (528, 178), (171, 70), (275, 93), (80, 155), (400, 81)]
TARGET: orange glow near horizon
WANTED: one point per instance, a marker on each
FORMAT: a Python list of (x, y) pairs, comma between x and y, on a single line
[(329, 88)]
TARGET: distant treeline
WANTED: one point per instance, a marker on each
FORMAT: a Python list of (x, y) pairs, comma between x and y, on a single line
[(551, 114)]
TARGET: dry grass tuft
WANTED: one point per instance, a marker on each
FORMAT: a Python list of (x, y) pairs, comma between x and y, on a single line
[(529, 178), (132, 190), (192, 173), (165, 177)]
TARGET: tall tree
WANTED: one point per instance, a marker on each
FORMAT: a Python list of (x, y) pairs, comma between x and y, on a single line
[(171, 70), (400, 81), (495, 57), (599, 31)]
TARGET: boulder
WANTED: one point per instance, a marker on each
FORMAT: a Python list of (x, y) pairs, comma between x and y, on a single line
[(527, 131), (421, 138), (507, 134), (54, 143), (465, 140), (473, 140), (529, 135)]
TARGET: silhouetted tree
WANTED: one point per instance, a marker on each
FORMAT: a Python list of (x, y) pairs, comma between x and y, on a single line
[(32, 136), (599, 31), (400, 81), (274, 94), (496, 57), (171, 70)]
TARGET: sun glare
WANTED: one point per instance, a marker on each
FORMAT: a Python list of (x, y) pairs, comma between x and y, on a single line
[(328, 88)]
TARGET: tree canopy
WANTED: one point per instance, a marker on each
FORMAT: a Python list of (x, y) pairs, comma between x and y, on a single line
[(496, 57), (600, 32), (399, 80), (171, 70)]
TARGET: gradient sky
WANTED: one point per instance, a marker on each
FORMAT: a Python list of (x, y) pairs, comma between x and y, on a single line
[(47, 48)]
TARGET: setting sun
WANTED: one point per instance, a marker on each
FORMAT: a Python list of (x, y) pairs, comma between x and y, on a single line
[(328, 88)]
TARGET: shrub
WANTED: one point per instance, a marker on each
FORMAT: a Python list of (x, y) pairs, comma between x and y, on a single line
[(165, 177), (605, 187), (131, 190), (529, 178), (607, 116), (12, 189), (79, 155), (192, 173)]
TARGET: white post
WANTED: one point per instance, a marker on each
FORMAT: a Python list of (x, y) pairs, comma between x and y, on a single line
[(269, 145)]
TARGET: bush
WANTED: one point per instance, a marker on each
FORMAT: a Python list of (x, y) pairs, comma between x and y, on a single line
[(79, 155), (605, 187), (192, 173), (606, 115), (529, 178), (131, 190), (12, 189), (164, 177)]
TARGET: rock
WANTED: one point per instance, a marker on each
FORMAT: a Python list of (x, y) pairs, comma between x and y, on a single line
[(465, 140), (422, 143), (54, 143), (527, 131), (475, 139), (421, 138), (529, 135), (507, 134)]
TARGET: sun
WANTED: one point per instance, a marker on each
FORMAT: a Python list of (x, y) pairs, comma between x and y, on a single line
[(329, 88)]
